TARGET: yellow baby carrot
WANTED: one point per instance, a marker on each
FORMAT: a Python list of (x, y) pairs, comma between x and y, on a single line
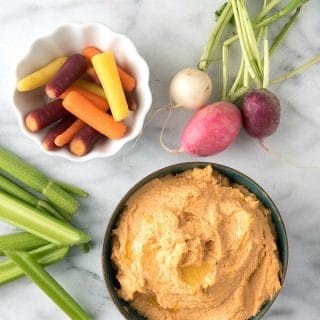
[(42, 76), (93, 116), (107, 71), (91, 87)]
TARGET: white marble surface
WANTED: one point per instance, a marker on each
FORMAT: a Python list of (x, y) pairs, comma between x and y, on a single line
[(170, 35)]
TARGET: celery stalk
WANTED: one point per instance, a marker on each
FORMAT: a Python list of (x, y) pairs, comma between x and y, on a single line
[(45, 255), (33, 178), (72, 189), (20, 241), (33, 220), (18, 192), (48, 285)]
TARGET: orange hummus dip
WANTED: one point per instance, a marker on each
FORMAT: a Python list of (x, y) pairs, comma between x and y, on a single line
[(195, 246)]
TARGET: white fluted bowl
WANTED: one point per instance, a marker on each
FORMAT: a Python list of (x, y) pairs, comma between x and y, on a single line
[(68, 39)]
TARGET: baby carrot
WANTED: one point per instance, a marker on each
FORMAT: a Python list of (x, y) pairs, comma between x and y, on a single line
[(48, 141), (84, 141), (93, 116), (127, 81), (66, 136), (91, 87), (93, 76), (46, 115), (72, 69), (41, 76), (90, 52), (106, 69), (99, 102)]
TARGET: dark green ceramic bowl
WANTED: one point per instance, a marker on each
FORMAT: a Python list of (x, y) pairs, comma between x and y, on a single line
[(235, 176)]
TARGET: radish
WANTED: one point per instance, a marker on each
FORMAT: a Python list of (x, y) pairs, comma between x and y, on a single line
[(211, 129), (260, 112), (190, 88)]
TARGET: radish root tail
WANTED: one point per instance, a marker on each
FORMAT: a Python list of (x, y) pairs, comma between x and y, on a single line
[(283, 159), (163, 129), (169, 108)]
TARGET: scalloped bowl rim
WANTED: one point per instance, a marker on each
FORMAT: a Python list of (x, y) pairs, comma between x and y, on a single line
[(139, 121)]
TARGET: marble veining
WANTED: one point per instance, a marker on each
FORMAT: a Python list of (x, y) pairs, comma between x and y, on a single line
[(170, 35)]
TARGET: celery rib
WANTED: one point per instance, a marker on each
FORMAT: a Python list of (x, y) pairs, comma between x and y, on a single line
[(20, 193), (48, 285), (30, 176), (33, 220), (45, 255), (20, 241)]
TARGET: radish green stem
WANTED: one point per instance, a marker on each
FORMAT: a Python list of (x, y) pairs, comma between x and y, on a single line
[(45, 255), (238, 78), (18, 192), (33, 178), (293, 5), (251, 38), (20, 241), (238, 94), (297, 70), (48, 285), (266, 59), (225, 71), (214, 38), (279, 39), (250, 62), (72, 189), (266, 9), (33, 220), (267, 21)]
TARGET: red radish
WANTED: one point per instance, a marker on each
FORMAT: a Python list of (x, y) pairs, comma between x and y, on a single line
[(260, 112), (211, 129), (71, 70)]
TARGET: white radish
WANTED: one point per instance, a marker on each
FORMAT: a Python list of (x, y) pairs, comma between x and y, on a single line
[(190, 88)]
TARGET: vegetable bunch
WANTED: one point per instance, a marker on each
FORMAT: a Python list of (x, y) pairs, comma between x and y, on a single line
[(245, 98), (91, 96), (42, 208)]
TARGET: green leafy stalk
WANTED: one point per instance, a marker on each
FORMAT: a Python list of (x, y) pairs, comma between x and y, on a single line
[(48, 285), (20, 193), (291, 6), (303, 67), (37, 222), (20, 241), (247, 41), (45, 255), (33, 178), (214, 38), (283, 33), (72, 189), (266, 9)]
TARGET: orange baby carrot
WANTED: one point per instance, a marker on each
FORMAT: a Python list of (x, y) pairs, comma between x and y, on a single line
[(66, 136), (127, 81), (106, 69), (89, 52), (99, 102), (93, 116)]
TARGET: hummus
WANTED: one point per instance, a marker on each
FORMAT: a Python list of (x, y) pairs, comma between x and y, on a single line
[(196, 246)]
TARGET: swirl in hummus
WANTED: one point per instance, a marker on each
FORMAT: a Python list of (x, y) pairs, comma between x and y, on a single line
[(196, 246)]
